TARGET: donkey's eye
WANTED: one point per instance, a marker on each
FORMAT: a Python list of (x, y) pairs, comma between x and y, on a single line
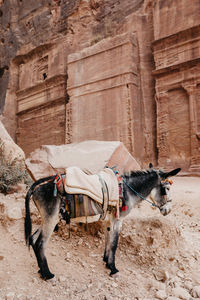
[(163, 190)]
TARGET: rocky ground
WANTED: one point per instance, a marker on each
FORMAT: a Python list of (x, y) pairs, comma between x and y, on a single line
[(158, 257)]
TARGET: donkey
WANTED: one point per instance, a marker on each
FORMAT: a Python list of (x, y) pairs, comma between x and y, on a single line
[(135, 186)]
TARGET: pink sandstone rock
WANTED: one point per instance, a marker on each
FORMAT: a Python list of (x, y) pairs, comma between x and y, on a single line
[(104, 70), (92, 156)]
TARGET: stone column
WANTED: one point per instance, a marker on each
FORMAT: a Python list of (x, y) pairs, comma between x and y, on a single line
[(162, 129), (191, 89)]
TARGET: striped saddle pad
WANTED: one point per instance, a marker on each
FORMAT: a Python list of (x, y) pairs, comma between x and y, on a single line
[(82, 206)]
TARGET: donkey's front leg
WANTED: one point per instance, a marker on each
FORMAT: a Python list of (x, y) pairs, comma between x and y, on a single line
[(114, 236), (107, 242)]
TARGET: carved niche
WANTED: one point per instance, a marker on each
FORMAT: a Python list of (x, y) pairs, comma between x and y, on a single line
[(40, 100), (103, 87), (173, 124), (177, 62)]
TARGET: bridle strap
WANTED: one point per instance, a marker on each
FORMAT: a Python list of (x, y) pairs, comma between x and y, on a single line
[(139, 195)]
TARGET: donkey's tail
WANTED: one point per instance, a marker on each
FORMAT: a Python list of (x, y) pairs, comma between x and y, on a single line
[(27, 222)]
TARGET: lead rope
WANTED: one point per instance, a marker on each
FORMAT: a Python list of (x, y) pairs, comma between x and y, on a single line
[(143, 198)]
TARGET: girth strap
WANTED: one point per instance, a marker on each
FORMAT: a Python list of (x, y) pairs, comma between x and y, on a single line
[(105, 195)]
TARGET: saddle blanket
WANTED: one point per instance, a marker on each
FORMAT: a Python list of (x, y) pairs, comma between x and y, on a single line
[(81, 206), (78, 182)]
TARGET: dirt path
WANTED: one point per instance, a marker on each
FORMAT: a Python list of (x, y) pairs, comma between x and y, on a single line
[(158, 257)]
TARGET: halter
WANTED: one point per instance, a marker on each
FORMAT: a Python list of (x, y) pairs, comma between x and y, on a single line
[(138, 194), (143, 198)]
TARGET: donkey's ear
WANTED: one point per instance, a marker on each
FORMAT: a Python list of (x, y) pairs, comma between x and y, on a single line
[(171, 173), (150, 166)]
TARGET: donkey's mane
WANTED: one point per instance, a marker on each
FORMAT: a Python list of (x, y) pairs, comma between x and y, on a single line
[(140, 173), (142, 181)]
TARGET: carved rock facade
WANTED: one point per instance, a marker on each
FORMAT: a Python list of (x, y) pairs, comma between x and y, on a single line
[(111, 89), (176, 51), (104, 70)]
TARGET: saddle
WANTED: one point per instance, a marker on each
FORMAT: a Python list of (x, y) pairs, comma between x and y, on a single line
[(80, 189), (94, 186)]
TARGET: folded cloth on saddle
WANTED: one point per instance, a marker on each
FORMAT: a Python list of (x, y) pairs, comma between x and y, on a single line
[(78, 182)]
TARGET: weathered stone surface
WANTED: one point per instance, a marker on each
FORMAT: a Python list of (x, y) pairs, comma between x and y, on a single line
[(196, 292), (76, 70), (12, 208), (11, 153), (161, 295), (92, 156), (176, 54), (41, 95), (100, 77), (10, 296), (14, 213), (181, 293), (174, 17)]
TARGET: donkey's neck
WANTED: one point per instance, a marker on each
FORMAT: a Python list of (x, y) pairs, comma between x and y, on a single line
[(141, 182)]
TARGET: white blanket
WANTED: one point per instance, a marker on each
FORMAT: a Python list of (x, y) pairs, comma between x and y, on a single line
[(78, 182)]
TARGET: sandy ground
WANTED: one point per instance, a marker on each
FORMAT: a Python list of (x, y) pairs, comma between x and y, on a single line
[(158, 257)]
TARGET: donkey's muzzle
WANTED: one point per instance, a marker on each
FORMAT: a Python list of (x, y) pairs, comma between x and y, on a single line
[(165, 209)]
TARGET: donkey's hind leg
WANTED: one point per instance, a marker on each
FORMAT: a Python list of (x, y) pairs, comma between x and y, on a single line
[(39, 242)]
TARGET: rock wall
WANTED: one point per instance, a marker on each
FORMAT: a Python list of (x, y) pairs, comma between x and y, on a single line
[(177, 64), (92, 69), (105, 77)]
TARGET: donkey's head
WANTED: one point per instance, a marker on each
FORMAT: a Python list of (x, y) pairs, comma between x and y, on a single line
[(160, 195)]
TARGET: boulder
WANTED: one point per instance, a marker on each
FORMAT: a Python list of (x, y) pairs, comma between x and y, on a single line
[(196, 292), (181, 293), (12, 163), (11, 153), (11, 208), (90, 155)]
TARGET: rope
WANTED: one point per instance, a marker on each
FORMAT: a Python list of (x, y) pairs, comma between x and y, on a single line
[(143, 198), (114, 168)]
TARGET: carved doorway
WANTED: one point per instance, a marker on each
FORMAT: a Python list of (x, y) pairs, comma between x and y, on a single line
[(179, 129), (103, 93)]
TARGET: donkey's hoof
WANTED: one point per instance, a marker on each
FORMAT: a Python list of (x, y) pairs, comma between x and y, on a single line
[(114, 272), (52, 281), (49, 276), (115, 276)]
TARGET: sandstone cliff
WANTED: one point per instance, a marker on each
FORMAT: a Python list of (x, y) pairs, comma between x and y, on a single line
[(104, 70)]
